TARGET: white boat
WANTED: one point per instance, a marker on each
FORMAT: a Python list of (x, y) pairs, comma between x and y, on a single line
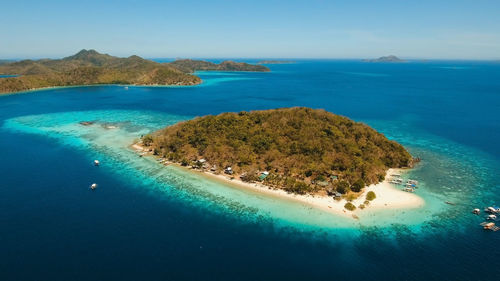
[(491, 217), (476, 211), (412, 182), (96, 162), (492, 210), (93, 186)]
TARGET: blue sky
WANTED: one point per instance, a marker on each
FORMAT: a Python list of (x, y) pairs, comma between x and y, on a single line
[(447, 29)]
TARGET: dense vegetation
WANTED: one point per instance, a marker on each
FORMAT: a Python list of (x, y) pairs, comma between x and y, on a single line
[(190, 66), (304, 150), (89, 67)]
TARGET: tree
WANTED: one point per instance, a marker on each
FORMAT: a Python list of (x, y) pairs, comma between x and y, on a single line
[(349, 206), (147, 140), (358, 185), (342, 187), (370, 196)]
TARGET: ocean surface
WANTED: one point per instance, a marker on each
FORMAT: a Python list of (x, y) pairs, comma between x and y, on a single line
[(149, 222)]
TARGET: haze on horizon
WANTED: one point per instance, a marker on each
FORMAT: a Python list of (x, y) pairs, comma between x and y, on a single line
[(447, 29)]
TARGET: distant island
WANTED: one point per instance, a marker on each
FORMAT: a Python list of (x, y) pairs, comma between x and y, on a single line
[(299, 150), (88, 67), (275, 62), (190, 66), (385, 59), (6, 61)]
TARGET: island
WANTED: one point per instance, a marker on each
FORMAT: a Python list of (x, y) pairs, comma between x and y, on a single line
[(89, 67), (190, 66), (296, 150), (390, 58), (5, 61), (275, 62)]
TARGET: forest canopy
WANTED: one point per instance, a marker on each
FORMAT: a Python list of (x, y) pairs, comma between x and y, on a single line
[(303, 150)]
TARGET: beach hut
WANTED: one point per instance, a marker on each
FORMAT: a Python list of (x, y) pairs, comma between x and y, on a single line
[(263, 175), (228, 170), (322, 183)]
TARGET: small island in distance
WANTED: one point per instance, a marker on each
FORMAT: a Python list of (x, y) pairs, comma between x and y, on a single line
[(298, 150), (190, 66), (275, 62), (390, 58), (89, 67)]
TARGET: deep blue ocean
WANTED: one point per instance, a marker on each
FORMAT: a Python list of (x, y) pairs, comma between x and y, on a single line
[(147, 224)]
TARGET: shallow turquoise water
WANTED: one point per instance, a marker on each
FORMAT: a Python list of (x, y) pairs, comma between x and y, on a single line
[(147, 219)]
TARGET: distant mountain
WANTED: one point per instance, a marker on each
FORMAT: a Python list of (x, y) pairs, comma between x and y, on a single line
[(88, 67), (385, 59), (190, 66)]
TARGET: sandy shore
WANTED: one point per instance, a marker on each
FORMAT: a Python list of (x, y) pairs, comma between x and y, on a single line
[(388, 196)]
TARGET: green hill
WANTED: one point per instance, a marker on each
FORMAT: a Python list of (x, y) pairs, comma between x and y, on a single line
[(304, 150), (190, 66), (89, 67)]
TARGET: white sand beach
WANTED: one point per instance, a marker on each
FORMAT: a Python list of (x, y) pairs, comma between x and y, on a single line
[(388, 196)]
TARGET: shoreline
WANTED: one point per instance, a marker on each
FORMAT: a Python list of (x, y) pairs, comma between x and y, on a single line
[(124, 85), (95, 85), (387, 196)]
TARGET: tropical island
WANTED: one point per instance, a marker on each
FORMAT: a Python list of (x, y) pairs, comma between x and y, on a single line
[(297, 150), (275, 62), (190, 66), (390, 58), (88, 67)]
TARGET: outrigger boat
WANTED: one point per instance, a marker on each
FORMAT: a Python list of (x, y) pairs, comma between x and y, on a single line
[(409, 189), (490, 226), (491, 217), (411, 185), (414, 182), (396, 181), (493, 210)]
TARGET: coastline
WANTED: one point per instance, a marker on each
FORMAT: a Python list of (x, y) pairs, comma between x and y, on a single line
[(127, 85), (95, 85), (387, 196)]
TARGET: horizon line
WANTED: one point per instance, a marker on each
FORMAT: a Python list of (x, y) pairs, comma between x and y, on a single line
[(408, 59)]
